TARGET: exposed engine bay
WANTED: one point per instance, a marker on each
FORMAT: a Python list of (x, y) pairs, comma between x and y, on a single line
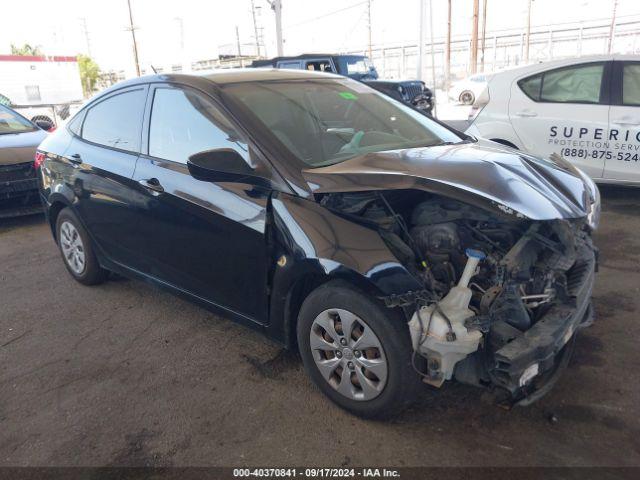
[(503, 295)]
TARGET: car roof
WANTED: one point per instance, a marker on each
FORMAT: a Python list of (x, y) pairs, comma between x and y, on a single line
[(222, 77), (548, 65), (237, 75), (305, 56)]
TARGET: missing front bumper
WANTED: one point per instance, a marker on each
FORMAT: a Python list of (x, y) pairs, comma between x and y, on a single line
[(547, 346)]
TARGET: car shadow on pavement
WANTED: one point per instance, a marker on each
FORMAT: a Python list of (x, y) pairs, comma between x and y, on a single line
[(7, 224), (620, 199)]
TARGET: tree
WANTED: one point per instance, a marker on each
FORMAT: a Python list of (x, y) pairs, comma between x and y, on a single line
[(89, 72), (26, 49)]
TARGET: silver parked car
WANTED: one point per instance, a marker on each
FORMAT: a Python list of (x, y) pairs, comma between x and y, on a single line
[(19, 139)]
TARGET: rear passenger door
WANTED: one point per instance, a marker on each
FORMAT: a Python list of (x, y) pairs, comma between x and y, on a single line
[(624, 123), (564, 111), (204, 238), (99, 164)]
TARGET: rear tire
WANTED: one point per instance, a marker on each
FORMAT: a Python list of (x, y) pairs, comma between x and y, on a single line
[(369, 389), (77, 251)]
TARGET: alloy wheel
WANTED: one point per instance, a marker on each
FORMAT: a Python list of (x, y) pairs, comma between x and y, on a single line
[(72, 247), (348, 354)]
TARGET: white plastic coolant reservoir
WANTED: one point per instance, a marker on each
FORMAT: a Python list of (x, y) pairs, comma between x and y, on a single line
[(443, 342)]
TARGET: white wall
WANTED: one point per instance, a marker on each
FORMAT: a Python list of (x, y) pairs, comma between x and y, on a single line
[(58, 82)]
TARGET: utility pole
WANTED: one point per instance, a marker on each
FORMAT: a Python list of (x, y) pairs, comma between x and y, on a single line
[(433, 56), (369, 25), (255, 27), (420, 40), (276, 5), (447, 53), (83, 20), (484, 31), (183, 61), (133, 36), (613, 26), (526, 44), (238, 41), (474, 36)]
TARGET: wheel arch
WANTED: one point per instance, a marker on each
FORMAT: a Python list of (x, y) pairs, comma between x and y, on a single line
[(57, 203), (314, 246), (289, 294)]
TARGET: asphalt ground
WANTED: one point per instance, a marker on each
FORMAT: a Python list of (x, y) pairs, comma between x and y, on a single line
[(125, 374)]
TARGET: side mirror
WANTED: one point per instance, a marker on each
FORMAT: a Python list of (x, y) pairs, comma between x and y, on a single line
[(44, 124), (218, 165)]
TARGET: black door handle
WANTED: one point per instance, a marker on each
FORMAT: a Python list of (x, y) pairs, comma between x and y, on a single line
[(75, 158), (152, 184)]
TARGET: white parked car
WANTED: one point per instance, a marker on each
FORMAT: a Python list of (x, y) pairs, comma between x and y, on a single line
[(586, 110), (468, 90)]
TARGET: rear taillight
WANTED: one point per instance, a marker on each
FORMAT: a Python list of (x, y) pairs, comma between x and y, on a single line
[(38, 160)]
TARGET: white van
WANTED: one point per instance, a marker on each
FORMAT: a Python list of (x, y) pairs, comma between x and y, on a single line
[(585, 109)]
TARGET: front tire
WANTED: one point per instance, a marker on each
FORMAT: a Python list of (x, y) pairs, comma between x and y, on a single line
[(357, 352), (76, 249)]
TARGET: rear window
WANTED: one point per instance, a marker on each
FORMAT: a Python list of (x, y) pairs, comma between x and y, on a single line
[(575, 84)]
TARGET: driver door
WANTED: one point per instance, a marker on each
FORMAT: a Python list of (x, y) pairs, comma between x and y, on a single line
[(204, 238)]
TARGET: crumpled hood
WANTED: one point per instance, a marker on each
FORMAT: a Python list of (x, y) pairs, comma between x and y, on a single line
[(501, 180), (20, 147)]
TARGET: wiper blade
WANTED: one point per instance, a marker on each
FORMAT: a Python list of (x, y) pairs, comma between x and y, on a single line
[(439, 144)]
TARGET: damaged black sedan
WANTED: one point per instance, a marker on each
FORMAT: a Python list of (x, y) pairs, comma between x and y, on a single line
[(388, 249)]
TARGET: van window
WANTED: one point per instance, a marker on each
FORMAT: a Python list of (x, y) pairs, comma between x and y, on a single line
[(575, 84), (531, 86), (116, 121), (631, 84)]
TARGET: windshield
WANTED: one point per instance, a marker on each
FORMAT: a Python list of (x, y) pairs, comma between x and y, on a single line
[(322, 122), (11, 122)]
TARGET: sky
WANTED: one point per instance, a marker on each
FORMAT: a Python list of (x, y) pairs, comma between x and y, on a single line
[(182, 31)]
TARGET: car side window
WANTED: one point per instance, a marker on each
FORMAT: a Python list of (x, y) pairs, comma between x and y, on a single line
[(184, 122), (576, 84), (75, 124), (116, 121), (631, 84), (531, 87), (319, 66)]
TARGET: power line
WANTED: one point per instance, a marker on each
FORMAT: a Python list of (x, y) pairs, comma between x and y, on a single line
[(309, 20), (369, 24), (83, 21), (255, 27)]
